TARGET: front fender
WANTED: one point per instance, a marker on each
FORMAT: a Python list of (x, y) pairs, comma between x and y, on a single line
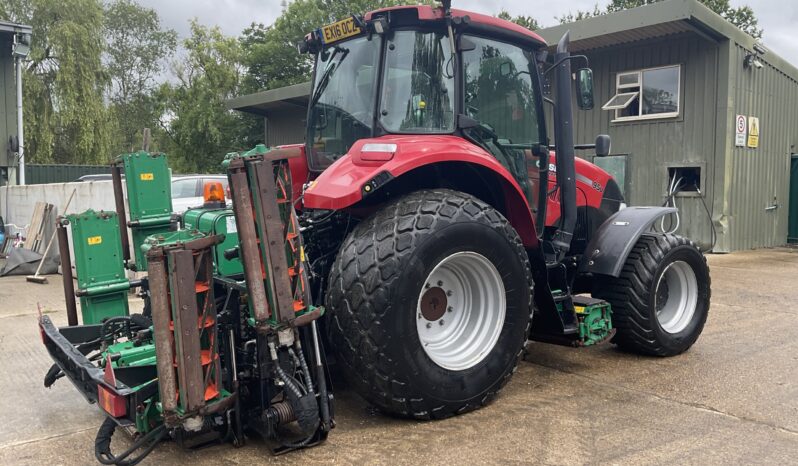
[(614, 239), (344, 183)]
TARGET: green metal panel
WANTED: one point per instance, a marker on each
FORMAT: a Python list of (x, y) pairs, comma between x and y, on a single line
[(792, 232), (651, 146), (149, 186), (758, 179), (149, 197), (98, 265), (217, 222), (61, 173)]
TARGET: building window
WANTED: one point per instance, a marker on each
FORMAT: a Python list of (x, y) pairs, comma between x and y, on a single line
[(646, 94)]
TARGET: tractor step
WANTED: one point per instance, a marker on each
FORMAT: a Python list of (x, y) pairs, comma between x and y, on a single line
[(593, 323)]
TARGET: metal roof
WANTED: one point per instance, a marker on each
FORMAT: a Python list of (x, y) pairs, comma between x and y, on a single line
[(265, 102), (657, 20), (5, 26)]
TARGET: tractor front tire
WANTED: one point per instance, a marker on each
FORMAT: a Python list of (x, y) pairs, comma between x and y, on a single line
[(661, 299), (430, 303)]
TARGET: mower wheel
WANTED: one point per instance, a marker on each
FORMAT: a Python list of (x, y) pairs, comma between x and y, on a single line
[(661, 300), (430, 303)]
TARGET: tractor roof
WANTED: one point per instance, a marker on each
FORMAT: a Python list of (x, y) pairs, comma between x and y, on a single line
[(485, 22)]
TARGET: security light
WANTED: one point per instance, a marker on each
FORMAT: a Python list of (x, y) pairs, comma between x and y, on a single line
[(751, 60), (21, 47)]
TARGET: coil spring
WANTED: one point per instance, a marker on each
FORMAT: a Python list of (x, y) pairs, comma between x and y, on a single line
[(284, 411)]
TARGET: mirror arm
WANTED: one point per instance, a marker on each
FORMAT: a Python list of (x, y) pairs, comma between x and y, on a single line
[(570, 57)]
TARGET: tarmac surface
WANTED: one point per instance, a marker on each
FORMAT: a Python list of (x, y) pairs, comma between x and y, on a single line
[(731, 399)]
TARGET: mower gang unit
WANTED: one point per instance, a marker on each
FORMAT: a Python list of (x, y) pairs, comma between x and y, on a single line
[(439, 226), (214, 357)]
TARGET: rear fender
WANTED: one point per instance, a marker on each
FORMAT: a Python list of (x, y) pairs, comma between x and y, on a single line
[(361, 173), (613, 241)]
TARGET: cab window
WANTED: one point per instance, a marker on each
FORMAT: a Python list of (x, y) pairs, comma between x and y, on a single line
[(501, 95)]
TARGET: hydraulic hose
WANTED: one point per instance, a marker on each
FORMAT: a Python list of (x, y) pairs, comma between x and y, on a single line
[(102, 445)]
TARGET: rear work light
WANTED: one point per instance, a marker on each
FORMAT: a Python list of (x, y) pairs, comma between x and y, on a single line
[(112, 403)]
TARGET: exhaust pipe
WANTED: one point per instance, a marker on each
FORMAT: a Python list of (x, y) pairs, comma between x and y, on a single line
[(564, 146)]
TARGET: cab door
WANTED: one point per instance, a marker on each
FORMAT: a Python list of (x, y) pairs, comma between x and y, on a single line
[(502, 93)]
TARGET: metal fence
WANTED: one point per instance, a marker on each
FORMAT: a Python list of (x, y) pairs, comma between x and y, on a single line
[(60, 173)]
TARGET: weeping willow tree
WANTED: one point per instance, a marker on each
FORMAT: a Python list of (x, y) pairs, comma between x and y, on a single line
[(66, 119)]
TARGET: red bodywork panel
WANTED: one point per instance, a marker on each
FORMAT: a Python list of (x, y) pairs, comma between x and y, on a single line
[(429, 13), (341, 185), (590, 184)]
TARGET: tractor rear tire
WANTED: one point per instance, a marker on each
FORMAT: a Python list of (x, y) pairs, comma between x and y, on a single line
[(661, 299), (430, 303)]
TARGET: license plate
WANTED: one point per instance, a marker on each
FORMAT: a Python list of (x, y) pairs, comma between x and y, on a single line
[(339, 31)]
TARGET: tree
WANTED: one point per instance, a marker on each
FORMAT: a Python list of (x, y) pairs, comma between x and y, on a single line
[(579, 15), (270, 53), (743, 17), (136, 50), (200, 128), (525, 21), (64, 80), (271, 57)]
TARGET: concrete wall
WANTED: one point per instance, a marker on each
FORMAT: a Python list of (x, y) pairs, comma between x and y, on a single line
[(17, 202)]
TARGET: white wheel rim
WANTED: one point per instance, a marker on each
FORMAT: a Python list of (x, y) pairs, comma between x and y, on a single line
[(460, 311), (676, 297)]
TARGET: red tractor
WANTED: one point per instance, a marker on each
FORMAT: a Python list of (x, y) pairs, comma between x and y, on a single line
[(443, 228)]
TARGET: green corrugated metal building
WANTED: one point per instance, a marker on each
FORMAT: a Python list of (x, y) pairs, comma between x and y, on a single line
[(676, 76), (694, 74), (8, 98)]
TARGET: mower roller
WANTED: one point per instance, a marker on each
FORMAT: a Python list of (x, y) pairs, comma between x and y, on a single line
[(432, 217)]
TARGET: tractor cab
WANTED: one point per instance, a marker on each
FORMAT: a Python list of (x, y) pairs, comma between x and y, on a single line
[(418, 71)]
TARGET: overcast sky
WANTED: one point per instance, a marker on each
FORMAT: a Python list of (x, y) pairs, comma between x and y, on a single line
[(778, 18)]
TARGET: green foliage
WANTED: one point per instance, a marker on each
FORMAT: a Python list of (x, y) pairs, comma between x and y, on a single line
[(134, 56), (89, 79), (270, 54), (200, 128), (525, 21), (580, 15), (64, 81), (743, 17)]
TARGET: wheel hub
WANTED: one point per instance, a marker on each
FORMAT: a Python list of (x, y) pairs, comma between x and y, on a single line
[(676, 297), (433, 303), (460, 311)]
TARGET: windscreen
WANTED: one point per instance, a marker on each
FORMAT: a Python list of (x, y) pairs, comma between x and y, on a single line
[(342, 102)]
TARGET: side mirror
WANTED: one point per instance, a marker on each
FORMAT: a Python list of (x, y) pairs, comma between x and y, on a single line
[(603, 145), (584, 88)]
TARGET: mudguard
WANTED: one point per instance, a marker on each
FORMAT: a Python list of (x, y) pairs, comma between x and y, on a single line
[(610, 246), (361, 171)]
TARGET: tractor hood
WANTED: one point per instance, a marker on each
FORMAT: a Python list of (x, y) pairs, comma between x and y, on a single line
[(372, 162)]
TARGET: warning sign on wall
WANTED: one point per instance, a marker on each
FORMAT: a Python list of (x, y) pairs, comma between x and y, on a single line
[(740, 128), (753, 132)]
